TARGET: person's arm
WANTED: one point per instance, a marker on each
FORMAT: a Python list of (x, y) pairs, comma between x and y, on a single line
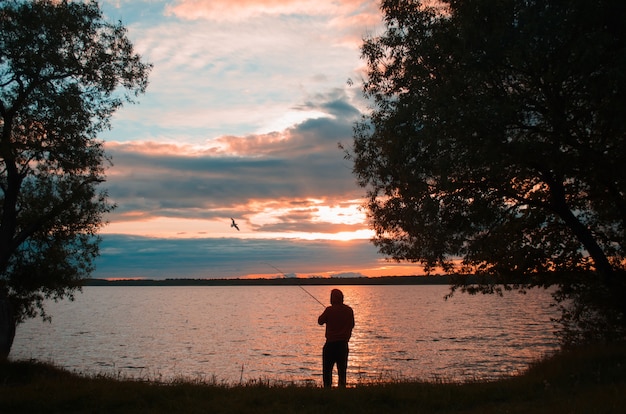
[(323, 317)]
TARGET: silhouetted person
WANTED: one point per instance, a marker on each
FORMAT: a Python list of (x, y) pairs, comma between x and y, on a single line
[(339, 320)]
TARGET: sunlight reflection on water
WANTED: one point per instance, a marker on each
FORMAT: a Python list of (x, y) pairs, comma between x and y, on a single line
[(246, 333)]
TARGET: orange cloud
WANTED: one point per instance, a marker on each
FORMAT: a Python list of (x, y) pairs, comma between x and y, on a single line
[(250, 145), (254, 145)]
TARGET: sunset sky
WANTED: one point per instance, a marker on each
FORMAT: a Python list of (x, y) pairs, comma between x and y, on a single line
[(247, 103)]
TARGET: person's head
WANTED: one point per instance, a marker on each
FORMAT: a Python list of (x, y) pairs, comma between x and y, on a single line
[(336, 297)]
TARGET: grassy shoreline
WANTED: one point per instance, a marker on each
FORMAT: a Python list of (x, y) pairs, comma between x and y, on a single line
[(577, 381)]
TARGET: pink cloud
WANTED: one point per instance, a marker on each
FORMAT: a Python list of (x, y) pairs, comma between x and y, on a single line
[(152, 148), (239, 9), (243, 9)]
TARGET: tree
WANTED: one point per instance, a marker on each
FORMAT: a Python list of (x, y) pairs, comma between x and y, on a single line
[(64, 71), (495, 147)]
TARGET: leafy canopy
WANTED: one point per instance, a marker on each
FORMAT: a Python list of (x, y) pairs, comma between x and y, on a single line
[(495, 145), (64, 71)]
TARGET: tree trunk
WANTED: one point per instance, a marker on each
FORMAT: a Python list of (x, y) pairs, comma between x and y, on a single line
[(7, 327), (559, 205)]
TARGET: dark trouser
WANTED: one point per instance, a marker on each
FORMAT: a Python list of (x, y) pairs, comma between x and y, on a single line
[(335, 353)]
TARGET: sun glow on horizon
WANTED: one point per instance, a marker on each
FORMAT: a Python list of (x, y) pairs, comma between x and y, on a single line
[(168, 227), (350, 214), (389, 269)]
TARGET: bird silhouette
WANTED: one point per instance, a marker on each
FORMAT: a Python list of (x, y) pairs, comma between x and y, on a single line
[(233, 224)]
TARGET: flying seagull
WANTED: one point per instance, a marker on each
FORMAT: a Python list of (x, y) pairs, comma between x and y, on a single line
[(233, 224)]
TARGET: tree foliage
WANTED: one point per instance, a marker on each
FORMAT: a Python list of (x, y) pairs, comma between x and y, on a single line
[(64, 71), (495, 146)]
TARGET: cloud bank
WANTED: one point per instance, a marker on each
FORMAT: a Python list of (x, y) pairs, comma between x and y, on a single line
[(139, 257)]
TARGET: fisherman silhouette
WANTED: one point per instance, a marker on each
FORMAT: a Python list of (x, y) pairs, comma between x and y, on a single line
[(233, 224), (339, 320)]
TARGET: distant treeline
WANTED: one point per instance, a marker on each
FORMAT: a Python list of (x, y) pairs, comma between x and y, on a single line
[(292, 281)]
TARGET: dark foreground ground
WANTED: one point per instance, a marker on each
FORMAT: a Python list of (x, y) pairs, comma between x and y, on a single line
[(591, 380)]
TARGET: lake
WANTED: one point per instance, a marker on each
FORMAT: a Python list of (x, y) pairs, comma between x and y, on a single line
[(241, 333)]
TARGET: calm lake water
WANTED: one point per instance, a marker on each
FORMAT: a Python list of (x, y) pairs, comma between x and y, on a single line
[(241, 333)]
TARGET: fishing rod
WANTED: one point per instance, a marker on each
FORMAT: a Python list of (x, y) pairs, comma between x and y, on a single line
[(300, 286)]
